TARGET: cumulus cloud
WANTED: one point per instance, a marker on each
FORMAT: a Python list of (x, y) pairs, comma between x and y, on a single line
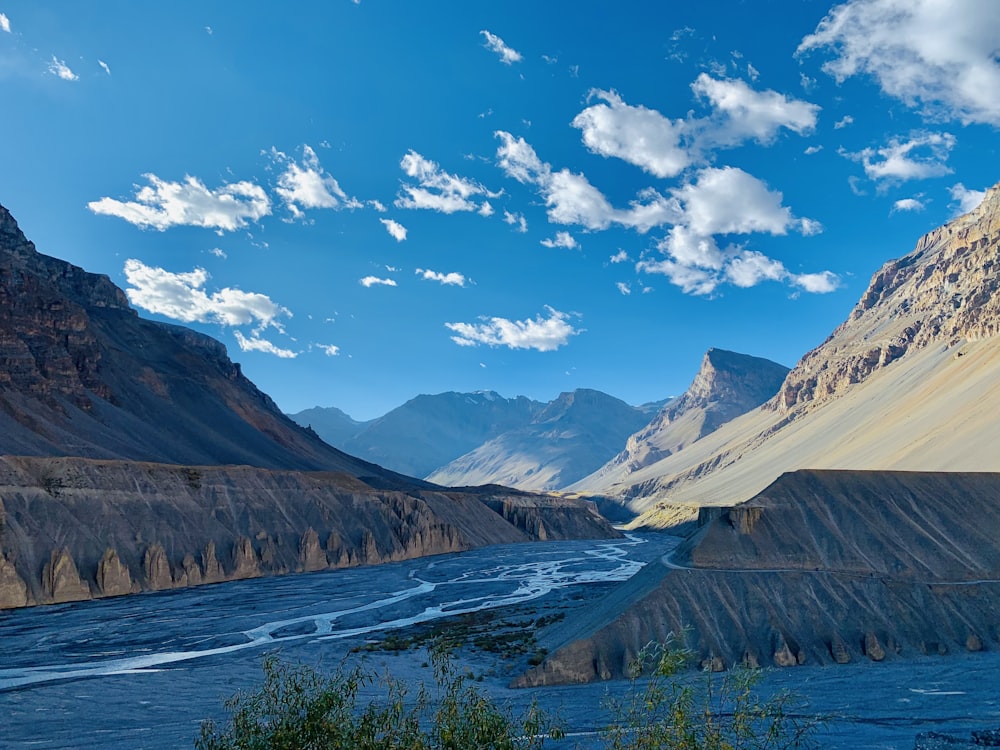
[(620, 257), (572, 199), (59, 68), (542, 334), (4, 23), (813, 150), (304, 185), (638, 135), (965, 198), (370, 281), (330, 350), (494, 43), (562, 239), (448, 279), (918, 157), (181, 296), (438, 190), (395, 229), (162, 204), (843, 122), (743, 113), (940, 57), (256, 344), (665, 147), (718, 202), (816, 283), (907, 204)]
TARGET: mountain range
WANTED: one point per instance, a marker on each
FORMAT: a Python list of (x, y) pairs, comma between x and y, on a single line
[(135, 455)]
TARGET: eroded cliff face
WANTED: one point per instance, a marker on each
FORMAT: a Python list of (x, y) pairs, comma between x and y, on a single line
[(942, 292), (823, 567), (73, 529)]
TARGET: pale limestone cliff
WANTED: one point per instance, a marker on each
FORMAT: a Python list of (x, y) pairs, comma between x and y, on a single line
[(61, 580), (113, 576)]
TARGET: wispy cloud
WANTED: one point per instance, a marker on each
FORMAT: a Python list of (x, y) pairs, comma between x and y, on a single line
[(620, 257), (4, 23), (306, 185), (543, 334), (59, 68), (624, 288), (104, 66), (843, 122), (494, 43), (941, 59), (370, 281), (256, 344), (182, 296), (396, 230), (921, 155), (562, 239), (516, 220), (163, 204), (908, 204), (330, 350), (448, 279), (438, 190)]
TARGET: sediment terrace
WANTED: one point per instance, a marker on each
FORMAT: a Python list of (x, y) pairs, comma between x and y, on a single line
[(821, 567)]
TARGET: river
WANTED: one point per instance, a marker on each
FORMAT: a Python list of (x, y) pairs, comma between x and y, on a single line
[(142, 672)]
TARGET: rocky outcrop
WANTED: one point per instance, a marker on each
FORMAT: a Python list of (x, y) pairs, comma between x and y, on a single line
[(825, 567), (127, 526), (727, 385)]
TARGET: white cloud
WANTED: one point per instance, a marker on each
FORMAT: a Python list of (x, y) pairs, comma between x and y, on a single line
[(59, 68), (378, 206), (4, 23), (620, 257), (104, 66), (725, 201), (938, 56), (448, 279), (307, 185), (163, 204), (395, 229), (570, 197), (813, 150), (624, 288), (637, 135), (218, 252), (256, 344), (496, 44), (330, 350), (921, 156), (742, 113), (562, 239), (966, 199), (816, 283), (438, 190), (516, 220), (907, 204), (182, 296), (543, 334), (843, 122), (370, 281)]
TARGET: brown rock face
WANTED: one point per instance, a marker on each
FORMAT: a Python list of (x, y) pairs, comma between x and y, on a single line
[(13, 589), (127, 525), (113, 577), (61, 580)]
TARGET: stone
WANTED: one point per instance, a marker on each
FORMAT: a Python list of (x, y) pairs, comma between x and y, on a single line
[(873, 649), (156, 568), (13, 589), (312, 557), (113, 576), (245, 563), (61, 580)]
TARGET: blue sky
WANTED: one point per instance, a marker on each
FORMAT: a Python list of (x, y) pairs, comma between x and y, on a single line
[(367, 201)]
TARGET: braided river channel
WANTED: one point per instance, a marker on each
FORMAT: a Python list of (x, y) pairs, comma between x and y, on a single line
[(144, 671)]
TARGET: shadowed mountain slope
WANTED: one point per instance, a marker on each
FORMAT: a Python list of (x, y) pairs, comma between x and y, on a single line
[(822, 567)]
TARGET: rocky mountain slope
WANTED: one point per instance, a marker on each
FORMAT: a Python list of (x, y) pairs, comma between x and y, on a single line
[(905, 383), (727, 385), (74, 528), (429, 431), (81, 374), (571, 437), (330, 423), (822, 567)]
